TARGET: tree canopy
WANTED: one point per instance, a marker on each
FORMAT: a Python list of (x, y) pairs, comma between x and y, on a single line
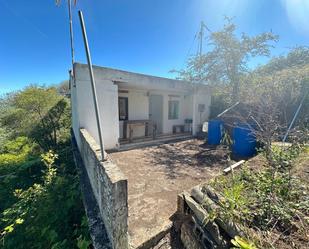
[(296, 58), (227, 58), (40, 200), (281, 82), (36, 112)]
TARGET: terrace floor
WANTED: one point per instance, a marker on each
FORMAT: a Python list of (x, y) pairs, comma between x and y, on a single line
[(156, 175)]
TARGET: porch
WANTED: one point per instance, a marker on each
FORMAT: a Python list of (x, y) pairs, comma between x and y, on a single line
[(136, 143), (147, 115)]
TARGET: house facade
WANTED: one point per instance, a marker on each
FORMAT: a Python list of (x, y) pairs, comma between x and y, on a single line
[(135, 106)]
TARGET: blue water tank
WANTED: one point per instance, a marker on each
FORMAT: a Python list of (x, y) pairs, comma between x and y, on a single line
[(244, 140), (215, 131)]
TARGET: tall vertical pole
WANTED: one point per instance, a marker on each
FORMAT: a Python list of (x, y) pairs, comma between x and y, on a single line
[(94, 93), (71, 33), (294, 118), (200, 49), (201, 34), (201, 38)]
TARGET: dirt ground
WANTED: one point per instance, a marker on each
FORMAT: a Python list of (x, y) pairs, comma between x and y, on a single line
[(157, 174)]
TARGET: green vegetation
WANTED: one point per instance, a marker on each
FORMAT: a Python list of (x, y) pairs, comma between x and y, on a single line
[(239, 242), (226, 62), (40, 199), (270, 201), (224, 66)]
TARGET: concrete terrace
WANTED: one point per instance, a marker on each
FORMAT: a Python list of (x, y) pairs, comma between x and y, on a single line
[(156, 174)]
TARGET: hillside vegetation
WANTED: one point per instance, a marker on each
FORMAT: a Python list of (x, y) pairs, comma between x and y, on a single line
[(270, 202), (40, 199)]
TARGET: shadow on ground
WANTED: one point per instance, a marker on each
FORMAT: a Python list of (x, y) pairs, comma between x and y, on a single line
[(156, 175), (195, 155)]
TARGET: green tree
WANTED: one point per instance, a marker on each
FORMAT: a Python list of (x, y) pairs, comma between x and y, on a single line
[(282, 83), (296, 58), (39, 113), (227, 59), (40, 200), (64, 88)]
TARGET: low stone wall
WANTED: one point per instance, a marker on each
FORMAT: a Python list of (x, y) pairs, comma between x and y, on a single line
[(110, 188), (198, 229)]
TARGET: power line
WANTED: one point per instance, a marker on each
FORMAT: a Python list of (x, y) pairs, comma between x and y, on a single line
[(189, 50), (200, 35)]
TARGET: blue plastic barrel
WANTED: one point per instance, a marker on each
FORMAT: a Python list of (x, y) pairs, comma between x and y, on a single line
[(244, 141), (215, 132)]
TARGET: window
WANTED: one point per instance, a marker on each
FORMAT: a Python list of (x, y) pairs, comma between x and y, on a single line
[(201, 108), (123, 108), (173, 109)]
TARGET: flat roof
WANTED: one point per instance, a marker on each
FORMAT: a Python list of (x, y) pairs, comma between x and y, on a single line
[(122, 76)]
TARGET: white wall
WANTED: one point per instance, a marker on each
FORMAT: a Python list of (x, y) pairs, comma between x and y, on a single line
[(185, 109), (139, 88), (75, 118), (201, 96), (188, 106), (138, 103), (169, 123), (138, 109), (107, 95)]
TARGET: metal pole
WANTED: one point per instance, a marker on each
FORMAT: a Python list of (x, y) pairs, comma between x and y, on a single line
[(71, 33), (202, 36), (294, 118), (94, 94), (228, 109)]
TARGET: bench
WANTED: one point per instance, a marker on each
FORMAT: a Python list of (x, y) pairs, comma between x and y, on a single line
[(180, 127)]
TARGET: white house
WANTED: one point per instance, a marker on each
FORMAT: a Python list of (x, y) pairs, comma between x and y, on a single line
[(134, 106)]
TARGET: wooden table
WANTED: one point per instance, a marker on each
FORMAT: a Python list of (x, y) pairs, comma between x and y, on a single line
[(131, 123)]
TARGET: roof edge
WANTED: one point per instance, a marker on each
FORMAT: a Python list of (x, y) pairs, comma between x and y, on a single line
[(140, 74)]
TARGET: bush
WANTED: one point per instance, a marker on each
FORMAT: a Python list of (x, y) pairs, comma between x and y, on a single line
[(270, 200)]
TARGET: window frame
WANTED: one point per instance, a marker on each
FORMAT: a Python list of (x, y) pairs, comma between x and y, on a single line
[(126, 99), (170, 114)]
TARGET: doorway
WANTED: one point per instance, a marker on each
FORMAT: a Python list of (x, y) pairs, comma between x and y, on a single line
[(156, 111)]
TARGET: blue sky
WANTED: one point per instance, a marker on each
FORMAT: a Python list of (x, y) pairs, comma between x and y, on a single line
[(146, 36)]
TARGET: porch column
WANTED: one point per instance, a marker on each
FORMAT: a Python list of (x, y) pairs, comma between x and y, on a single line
[(194, 121)]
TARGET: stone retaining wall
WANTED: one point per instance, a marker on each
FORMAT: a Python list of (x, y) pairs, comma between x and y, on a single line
[(110, 188)]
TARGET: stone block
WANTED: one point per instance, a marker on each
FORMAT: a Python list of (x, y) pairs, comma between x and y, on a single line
[(199, 212), (180, 203), (188, 238)]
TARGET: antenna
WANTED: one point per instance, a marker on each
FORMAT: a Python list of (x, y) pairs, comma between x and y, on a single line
[(71, 32), (200, 37)]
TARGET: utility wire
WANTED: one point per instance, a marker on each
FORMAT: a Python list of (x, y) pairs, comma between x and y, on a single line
[(189, 50)]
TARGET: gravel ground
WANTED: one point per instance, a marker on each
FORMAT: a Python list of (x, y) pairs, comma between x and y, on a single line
[(156, 174)]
